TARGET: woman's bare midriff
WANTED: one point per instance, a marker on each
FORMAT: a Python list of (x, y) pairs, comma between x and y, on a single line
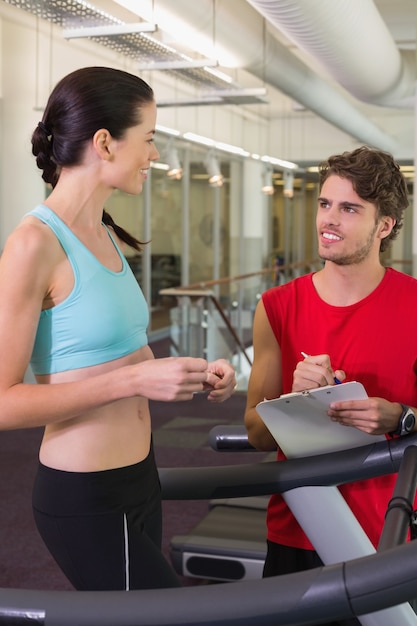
[(111, 436)]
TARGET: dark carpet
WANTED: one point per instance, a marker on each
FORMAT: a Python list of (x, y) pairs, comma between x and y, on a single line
[(180, 432)]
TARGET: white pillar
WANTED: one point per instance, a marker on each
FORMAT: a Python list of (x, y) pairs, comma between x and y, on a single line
[(254, 227), (236, 218)]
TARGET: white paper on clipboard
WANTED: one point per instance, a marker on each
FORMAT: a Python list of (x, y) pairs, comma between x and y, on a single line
[(300, 424)]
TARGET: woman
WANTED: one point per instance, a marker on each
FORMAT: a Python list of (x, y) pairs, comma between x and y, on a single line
[(72, 308)]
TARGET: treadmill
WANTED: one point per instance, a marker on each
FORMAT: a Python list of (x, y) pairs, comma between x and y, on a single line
[(377, 588)]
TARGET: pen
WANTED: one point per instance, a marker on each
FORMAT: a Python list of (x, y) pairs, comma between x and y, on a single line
[(336, 380)]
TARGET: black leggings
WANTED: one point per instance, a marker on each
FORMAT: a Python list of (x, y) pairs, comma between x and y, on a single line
[(104, 529)]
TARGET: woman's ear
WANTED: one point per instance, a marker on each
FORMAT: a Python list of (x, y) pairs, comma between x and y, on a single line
[(102, 141)]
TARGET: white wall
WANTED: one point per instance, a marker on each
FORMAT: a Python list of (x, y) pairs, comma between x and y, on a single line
[(34, 56)]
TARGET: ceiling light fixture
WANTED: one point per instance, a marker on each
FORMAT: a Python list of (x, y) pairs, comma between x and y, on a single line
[(184, 64), (288, 184), (219, 145), (279, 162), (213, 170), (205, 141), (268, 185), (225, 147), (167, 131), (108, 30), (159, 166), (174, 167)]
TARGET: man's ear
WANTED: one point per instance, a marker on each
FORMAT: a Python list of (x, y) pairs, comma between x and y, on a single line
[(102, 141), (387, 223)]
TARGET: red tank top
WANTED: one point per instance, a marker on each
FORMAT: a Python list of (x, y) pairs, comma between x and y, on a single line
[(375, 342)]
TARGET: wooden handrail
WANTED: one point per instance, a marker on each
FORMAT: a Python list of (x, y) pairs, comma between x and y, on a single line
[(230, 279)]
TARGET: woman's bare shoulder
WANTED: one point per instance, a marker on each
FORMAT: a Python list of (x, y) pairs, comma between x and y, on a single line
[(31, 239), (30, 254)]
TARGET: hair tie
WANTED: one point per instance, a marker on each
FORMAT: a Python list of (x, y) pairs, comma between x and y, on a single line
[(44, 129)]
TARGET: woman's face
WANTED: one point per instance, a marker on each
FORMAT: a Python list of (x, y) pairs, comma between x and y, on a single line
[(132, 155)]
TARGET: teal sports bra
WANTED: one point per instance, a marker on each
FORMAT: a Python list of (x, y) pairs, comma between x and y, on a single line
[(104, 317)]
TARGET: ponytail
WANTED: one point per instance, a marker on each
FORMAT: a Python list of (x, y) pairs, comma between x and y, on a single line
[(129, 239)]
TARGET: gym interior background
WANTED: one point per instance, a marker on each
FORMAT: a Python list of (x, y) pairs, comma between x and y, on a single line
[(255, 92), (239, 85)]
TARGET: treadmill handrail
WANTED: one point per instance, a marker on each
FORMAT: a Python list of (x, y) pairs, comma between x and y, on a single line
[(230, 438), (264, 478), (338, 591)]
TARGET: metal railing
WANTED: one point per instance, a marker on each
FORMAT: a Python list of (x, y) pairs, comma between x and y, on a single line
[(213, 319)]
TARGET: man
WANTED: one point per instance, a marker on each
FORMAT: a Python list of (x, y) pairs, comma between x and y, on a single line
[(356, 320)]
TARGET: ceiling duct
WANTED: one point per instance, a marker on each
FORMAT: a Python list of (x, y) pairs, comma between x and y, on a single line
[(260, 53), (337, 35)]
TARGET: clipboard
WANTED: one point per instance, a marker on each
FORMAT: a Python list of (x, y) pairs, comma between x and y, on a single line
[(300, 425)]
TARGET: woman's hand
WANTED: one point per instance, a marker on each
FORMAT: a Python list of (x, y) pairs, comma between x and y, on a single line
[(173, 379), (168, 379), (221, 380)]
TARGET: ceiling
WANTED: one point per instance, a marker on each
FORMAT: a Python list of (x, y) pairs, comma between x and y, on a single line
[(336, 59)]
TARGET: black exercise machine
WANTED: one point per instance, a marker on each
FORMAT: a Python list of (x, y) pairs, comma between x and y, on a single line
[(340, 591), (229, 543)]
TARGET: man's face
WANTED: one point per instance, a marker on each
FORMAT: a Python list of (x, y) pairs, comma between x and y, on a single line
[(347, 226)]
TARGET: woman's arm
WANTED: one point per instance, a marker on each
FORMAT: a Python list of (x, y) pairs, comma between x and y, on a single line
[(27, 269)]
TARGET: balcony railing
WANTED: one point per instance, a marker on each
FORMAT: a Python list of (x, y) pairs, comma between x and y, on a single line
[(214, 319)]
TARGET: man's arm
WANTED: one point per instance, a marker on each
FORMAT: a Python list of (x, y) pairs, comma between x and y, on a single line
[(265, 379)]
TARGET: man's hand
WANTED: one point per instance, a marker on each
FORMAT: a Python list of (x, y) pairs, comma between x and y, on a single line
[(315, 371), (374, 416)]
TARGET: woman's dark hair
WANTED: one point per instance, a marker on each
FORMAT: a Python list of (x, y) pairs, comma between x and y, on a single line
[(376, 178), (80, 104)]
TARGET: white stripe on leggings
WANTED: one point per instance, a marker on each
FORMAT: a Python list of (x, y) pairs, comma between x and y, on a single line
[(126, 537)]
